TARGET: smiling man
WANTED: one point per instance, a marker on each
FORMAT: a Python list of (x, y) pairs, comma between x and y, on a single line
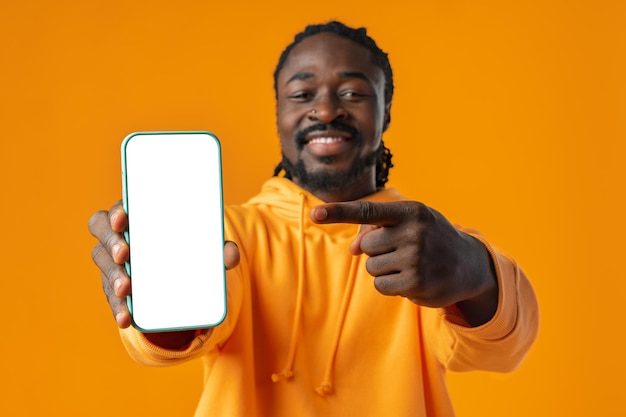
[(344, 298)]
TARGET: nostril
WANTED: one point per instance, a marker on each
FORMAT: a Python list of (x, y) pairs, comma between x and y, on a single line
[(341, 113), (327, 113)]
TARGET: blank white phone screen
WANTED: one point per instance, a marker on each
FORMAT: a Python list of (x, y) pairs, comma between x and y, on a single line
[(173, 196)]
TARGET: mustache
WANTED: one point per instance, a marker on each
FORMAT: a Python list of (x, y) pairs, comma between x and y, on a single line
[(322, 127)]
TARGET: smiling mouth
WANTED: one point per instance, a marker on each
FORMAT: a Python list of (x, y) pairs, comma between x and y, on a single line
[(326, 140), (325, 145), (331, 134), (326, 137)]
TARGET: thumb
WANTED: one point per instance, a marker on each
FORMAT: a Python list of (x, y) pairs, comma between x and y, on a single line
[(355, 246), (231, 254)]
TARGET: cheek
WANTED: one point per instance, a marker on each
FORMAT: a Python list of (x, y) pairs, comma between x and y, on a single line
[(287, 121), (287, 128), (287, 147), (373, 121)]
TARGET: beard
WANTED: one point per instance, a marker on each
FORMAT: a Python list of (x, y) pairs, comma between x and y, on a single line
[(326, 180)]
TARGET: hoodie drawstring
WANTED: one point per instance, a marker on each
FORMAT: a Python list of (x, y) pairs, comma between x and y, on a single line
[(326, 387), (287, 373)]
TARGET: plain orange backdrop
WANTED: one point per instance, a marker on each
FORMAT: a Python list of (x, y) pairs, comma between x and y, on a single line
[(508, 117)]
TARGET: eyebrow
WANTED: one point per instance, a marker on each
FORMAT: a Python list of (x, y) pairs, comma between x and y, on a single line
[(300, 76), (343, 74), (354, 74)]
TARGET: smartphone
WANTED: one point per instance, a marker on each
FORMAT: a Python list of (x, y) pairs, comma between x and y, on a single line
[(172, 194)]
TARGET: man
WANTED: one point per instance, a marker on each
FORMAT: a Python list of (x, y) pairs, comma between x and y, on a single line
[(307, 332)]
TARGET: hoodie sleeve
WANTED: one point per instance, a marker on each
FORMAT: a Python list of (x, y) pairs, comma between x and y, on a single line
[(147, 353), (501, 344)]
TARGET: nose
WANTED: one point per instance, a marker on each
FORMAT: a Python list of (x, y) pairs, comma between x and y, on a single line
[(327, 108)]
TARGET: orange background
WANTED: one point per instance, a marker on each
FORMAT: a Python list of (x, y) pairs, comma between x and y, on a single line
[(508, 117)]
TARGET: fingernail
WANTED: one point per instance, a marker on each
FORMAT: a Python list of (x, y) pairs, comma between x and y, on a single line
[(320, 214), (116, 286), (116, 251)]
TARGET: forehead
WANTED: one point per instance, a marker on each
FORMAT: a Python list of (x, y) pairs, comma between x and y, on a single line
[(329, 52)]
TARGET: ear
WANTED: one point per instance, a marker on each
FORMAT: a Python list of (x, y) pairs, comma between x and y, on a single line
[(387, 117)]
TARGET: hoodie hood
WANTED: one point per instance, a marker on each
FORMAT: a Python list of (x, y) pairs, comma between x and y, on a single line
[(279, 192)]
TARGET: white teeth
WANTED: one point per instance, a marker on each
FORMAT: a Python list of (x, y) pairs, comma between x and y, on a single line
[(325, 140)]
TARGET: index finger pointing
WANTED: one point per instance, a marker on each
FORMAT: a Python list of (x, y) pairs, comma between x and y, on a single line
[(358, 212)]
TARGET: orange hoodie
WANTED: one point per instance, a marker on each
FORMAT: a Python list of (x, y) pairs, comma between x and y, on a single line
[(307, 334)]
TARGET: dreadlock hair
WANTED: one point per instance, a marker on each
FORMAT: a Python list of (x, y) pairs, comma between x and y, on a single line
[(379, 58)]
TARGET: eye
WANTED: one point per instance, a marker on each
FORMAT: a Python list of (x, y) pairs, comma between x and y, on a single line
[(301, 96), (352, 95)]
